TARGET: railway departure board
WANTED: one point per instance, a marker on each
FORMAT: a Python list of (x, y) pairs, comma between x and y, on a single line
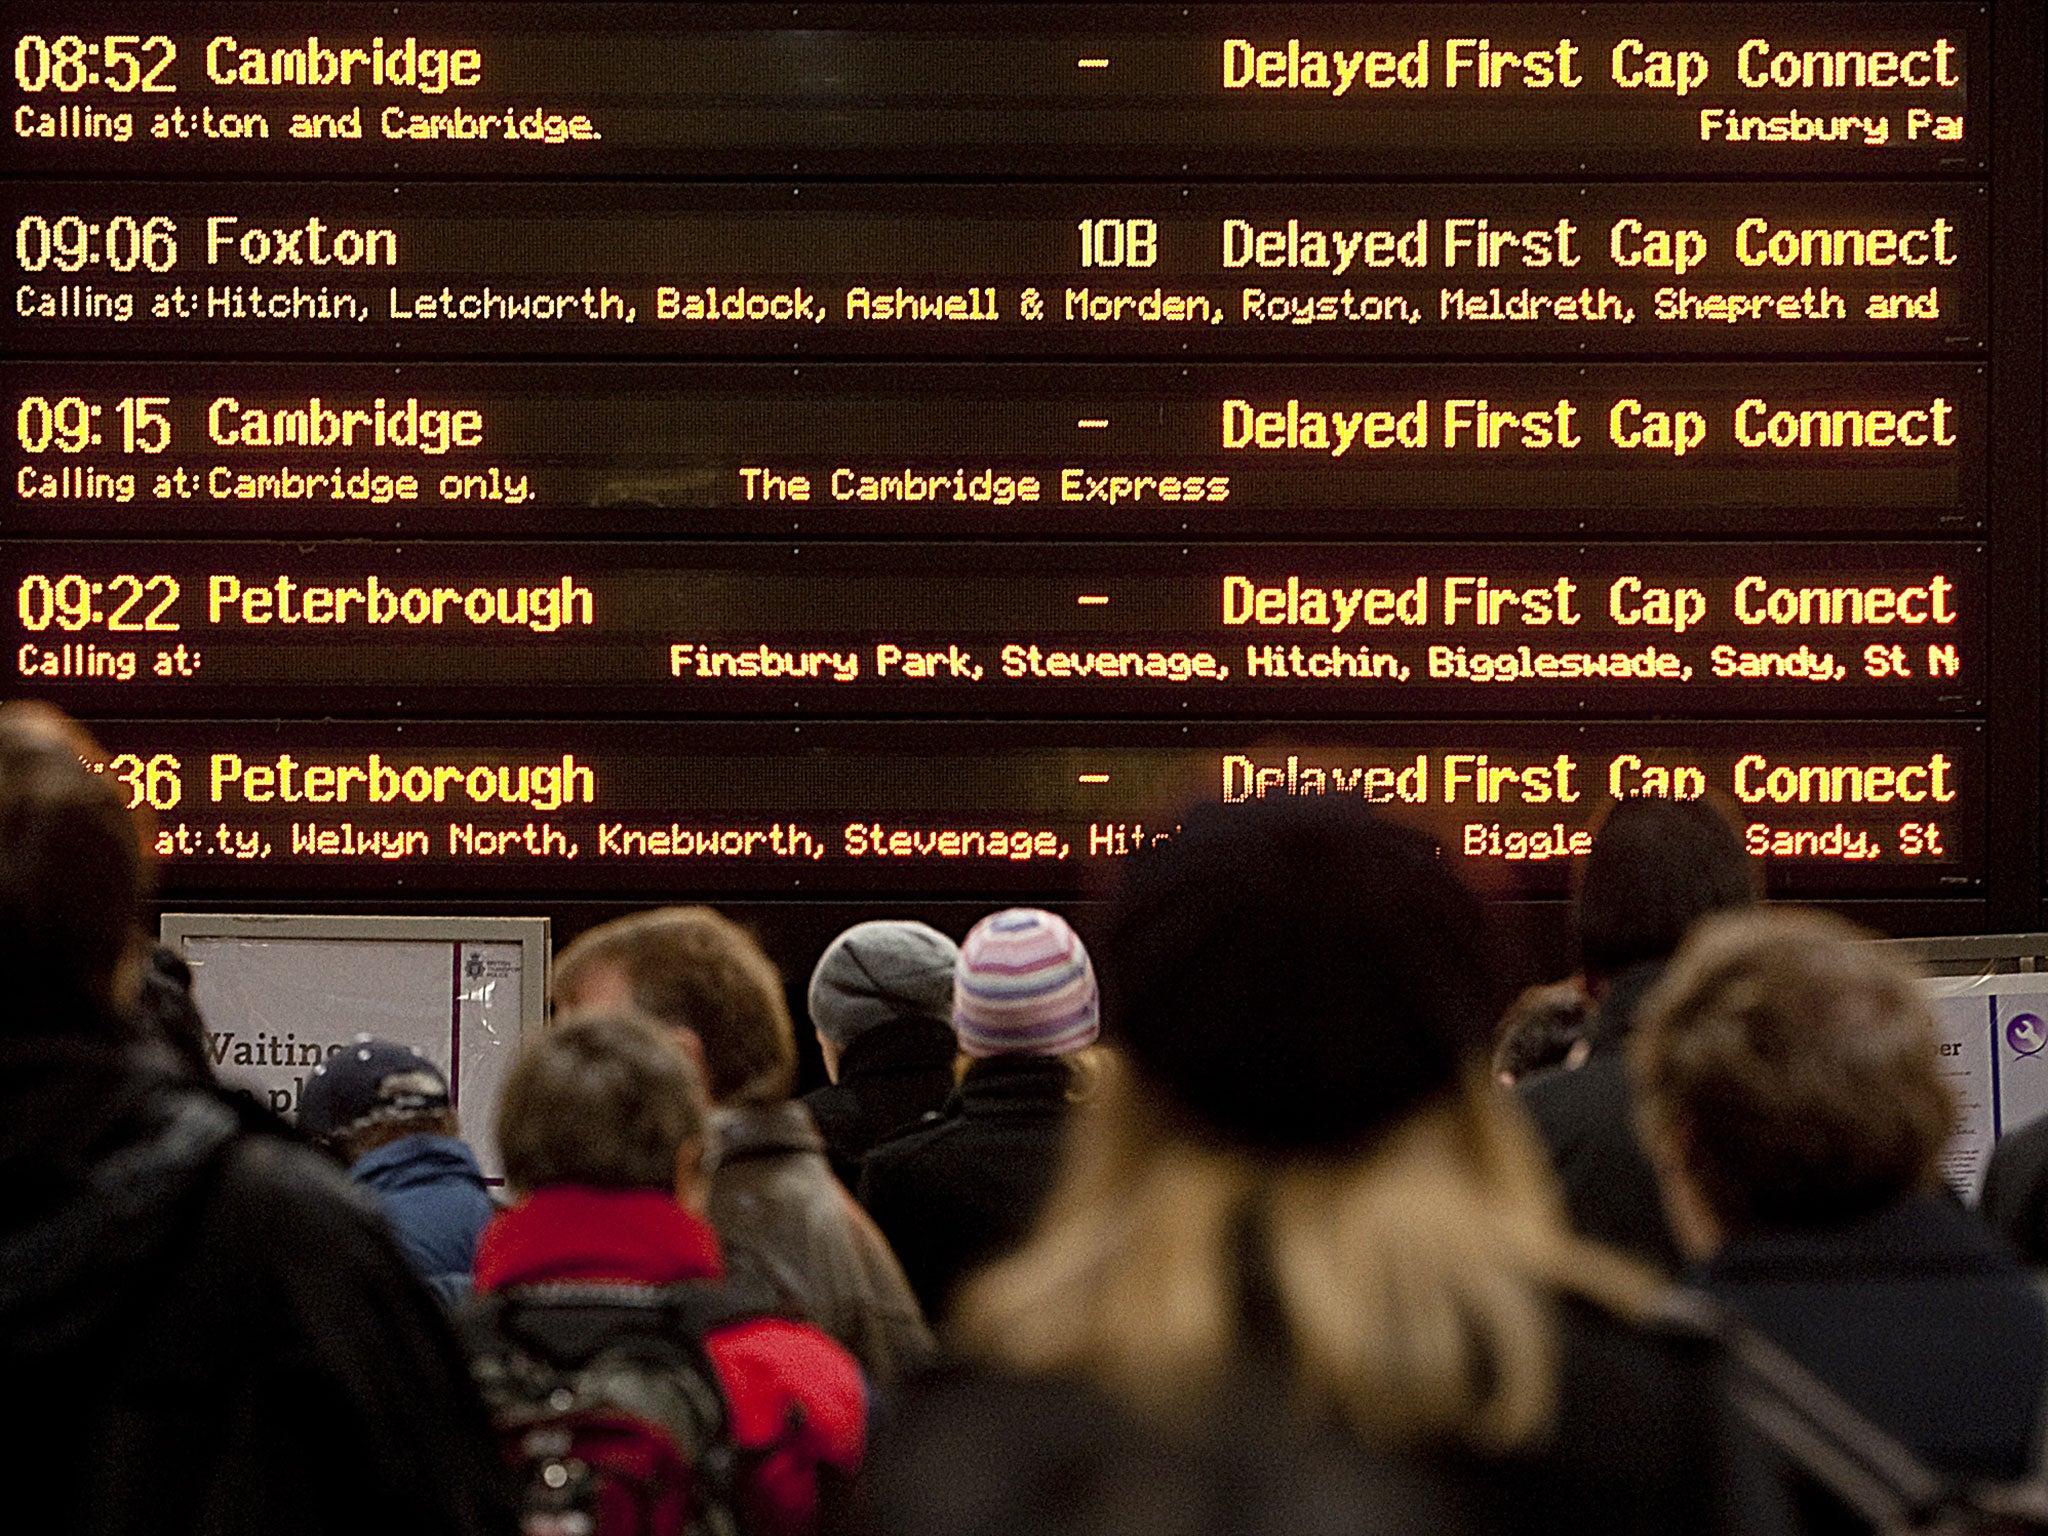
[(547, 456)]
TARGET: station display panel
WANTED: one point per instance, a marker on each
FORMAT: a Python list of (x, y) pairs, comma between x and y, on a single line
[(619, 451)]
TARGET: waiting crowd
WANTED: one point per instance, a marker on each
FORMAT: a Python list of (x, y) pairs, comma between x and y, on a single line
[(1240, 1217)]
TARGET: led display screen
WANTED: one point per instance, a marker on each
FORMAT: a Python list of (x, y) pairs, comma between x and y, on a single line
[(912, 451)]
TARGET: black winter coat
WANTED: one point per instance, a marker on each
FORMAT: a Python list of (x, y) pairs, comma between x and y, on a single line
[(1586, 1118), (1916, 1316), (889, 1077), (977, 1454), (961, 1188), (212, 1331), (1645, 1444)]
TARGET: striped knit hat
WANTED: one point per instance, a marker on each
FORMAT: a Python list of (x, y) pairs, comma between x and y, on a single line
[(1024, 987)]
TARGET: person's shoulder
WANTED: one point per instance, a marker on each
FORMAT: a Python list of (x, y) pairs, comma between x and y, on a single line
[(2014, 1198), (2022, 1153), (1644, 1435), (833, 1107), (909, 1145), (976, 1452), (1648, 1387), (280, 1179), (1682, 1329), (2033, 1136), (1560, 1096), (291, 1213)]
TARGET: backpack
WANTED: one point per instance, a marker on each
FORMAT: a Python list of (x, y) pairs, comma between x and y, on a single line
[(608, 1410), (1869, 1478)]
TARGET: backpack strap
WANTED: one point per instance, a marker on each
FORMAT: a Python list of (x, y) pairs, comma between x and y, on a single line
[(565, 1325)]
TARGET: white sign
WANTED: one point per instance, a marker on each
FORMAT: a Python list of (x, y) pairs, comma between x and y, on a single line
[(1993, 1034), (277, 1007)]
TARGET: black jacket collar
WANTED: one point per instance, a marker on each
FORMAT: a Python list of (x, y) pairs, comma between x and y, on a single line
[(764, 1131), (1919, 1235), (1014, 1085), (898, 1047)]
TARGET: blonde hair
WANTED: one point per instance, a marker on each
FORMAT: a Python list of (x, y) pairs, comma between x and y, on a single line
[(1415, 1282)]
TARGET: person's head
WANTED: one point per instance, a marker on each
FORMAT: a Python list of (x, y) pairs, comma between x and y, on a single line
[(877, 974), (72, 878), (1301, 1126), (1544, 1027), (605, 1101), (372, 1093), (693, 970), (1657, 866), (1787, 1077), (1024, 986)]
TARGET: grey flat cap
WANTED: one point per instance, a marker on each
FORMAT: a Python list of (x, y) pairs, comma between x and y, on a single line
[(879, 971)]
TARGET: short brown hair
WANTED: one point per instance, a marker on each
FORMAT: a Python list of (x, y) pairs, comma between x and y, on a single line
[(72, 872), (690, 967), (606, 1100), (1794, 1063), (360, 1141)]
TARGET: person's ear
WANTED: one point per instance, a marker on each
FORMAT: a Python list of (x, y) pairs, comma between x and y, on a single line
[(692, 1044), (692, 1187)]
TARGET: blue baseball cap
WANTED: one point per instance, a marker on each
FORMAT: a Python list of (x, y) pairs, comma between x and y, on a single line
[(367, 1081)]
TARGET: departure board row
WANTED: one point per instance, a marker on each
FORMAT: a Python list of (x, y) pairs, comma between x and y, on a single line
[(1848, 807), (976, 450), (932, 269), (1019, 629), (879, 90)]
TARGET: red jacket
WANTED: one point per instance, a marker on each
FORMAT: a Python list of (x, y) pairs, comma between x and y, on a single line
[(767, 1366)]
